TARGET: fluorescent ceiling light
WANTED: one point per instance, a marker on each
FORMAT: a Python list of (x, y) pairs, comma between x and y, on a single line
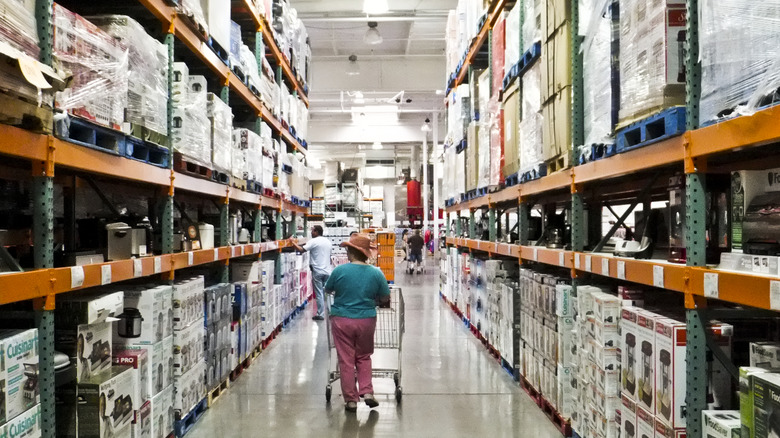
[(376, 146), (372, 34), (375, 6)]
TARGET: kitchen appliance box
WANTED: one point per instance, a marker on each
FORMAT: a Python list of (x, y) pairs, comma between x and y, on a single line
[(721, 424), (189, 389), (19, 389), (162, 413), (645, 360), (142, 425), (628, 416), (75, 309), (88, 346), (188, 347), (645, 423), (671, 370), (765, 355), (766, 404), (746, 376), (105, 404), (155, 305), (26, 425), (139, 362), (188, 299), (160, 364)]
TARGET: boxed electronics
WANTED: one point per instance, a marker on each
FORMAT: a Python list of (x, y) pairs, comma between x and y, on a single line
[(766, 404), (188, 302), (746, 376), (245, 271), (567, 348), (19, 389), (142, 424), (188, 347), (629, 368), (671, 373), (720, 424), (88, 308), (106, 403), (645, 341), (189, 389), (140, 362), (664, 431), (153, 306), (756, 188), (90, 348), (765, 355), (26, 425), (163, 413), (160, 363), (645, 423), (239, 300), (628, 416)]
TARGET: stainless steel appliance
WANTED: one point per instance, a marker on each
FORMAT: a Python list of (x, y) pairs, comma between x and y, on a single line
[(129, 324), (124, 241)]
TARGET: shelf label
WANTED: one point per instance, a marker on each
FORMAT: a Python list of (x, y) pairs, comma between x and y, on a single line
[(242, 249), (576, 261), (105, 275), (621, 266), (711, 285), (658, 276), (774, 295), (216, 254), (256, 248), (76, 276), (190, 258), (561, 259), (138, 268), (157, 265), (588, 263), (233, 251), (536, 254), (605, 267)]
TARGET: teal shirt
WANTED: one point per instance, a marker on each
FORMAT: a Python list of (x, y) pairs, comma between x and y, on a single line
[(355, 288)]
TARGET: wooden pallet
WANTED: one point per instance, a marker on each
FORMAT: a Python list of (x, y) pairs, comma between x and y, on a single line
[(217, 392), (557, 164), (183, 165), (26, 115), (562, 424)]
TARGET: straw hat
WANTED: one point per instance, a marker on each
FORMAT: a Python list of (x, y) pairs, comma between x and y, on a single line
[(360, 242)]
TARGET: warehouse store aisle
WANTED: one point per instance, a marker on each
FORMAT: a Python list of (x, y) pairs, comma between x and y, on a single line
[(452, 387)]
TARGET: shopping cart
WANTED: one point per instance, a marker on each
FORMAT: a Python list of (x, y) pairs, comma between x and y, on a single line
[(386, 360)]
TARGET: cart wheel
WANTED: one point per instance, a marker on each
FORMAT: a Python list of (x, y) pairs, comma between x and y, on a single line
[(328, 390), (332, 377), (396, 379), (398, 394)]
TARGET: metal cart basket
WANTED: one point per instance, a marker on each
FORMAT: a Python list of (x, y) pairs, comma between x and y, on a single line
[(386, 360)]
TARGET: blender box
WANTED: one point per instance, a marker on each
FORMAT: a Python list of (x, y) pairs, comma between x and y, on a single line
[(671, 370), (601, 426), (26, 425), (160, 367), (604, 333), (646, 360), (765, 354), (156, 311), (139, 362), (188, 298), (721, 424), (629, 354), (142, 423), (90, 308), (746, 375), (162, 413), (606, 307), (628, 416), (645, 423), (566, 397), (766, 405), (88, 346), (564, 300), (188, 390), (19, 389), (567, 349), (188, 347), (106, 404)]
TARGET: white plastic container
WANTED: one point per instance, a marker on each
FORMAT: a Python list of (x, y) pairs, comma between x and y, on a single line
[(206, 236)]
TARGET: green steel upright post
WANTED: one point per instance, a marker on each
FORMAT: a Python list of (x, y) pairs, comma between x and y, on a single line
[(224, 210), (522, 23), (472, 225), (577, 223), (167, 216), (224, 94), (447, 224), (492, 231), (294, 225), (695, 239), (523, 216), (43, 241), (577, 108), (258, 223), (278, 264)]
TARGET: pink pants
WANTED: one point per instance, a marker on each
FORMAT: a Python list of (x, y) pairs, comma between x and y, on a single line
[(354, 342)]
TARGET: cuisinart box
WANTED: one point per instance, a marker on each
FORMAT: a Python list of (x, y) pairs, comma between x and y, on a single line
[(18, 372), (188, 390), (154, 306), (188, 298), (106, 405), (746, 376), (162, 413), (26, 425), (76, 309), (720, 424), (188, 347), (139, 362)]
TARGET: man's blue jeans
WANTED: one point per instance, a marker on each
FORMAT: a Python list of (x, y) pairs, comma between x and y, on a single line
[(319, 293)]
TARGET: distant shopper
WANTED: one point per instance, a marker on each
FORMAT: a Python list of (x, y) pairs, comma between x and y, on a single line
[(319, 261), (416, 244), (357, 288)]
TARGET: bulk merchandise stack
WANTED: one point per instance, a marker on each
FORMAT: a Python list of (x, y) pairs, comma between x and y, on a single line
[(189, 335), (20, 409), (191, 128)]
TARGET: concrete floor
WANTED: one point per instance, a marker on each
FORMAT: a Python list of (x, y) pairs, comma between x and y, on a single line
[(451, 386)]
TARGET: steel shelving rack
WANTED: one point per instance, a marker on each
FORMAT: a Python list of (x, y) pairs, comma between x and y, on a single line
[(47, 155), (743, 141)]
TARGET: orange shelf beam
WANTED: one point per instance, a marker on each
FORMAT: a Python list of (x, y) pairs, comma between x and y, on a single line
[(758, 129), (281, 60), (667, 152), (556, 181)]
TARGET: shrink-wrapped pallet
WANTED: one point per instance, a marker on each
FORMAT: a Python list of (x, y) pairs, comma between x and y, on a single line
[(599, 106), (531, 123), (221, 137), (18, 26), (247, 155), (512, 50)]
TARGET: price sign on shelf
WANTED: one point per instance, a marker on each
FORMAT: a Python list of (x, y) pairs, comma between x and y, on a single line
[(138, 268), (605, 267), (658, 276), (536, 254), (588, 263), (190, 258), (157, 265), (711, 285), (561, 259), (774, 295), (576, 261), (105, 275), (76, 276), (216, 253), (621, 268)]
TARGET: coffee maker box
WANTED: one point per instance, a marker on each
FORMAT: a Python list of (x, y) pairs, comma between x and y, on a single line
[(629, 353), (721, 424), (19, 390), (188, 390), (188, 347), (162, 413), (765, 355), (155, 307), (26, 425), (106, 405), (140, 362), (645, 423), (646, 360), (142, 424), (663, 430), (628, 416)]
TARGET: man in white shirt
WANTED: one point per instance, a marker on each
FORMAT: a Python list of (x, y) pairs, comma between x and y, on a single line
[(319, 261)]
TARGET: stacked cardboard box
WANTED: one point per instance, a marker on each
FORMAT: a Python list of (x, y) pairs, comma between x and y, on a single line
[(189, 360), (19, 391), (221, 133), (556, 79), (191, 128)]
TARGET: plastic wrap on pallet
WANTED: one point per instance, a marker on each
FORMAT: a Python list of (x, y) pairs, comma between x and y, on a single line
[(147, 86), (512, 50), (531, 123), (458, 114), (597, 66), (13, 83), (18, 26), (460, 173), (235, 43), (99, 65), (483, 151), (193, 10), (532, 24), (739, 42), (284, 177), (652, 67), (496, 144), (198, 130), (448, 184), (221, 117), (499, 43), (249, 64), (247, 155), (451, 41)]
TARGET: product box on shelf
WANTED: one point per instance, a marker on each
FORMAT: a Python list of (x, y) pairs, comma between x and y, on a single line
[(746, 376), (628, 416), (554, 14), (187, 302), (90, 308), (720, 424), (239, 300), (106, 403), (189, 389), (188, 347), (766, 402), (142, 424), (646, 360), (556, 68), (88, 346), (19, 389), (140, 364), (217, 18), (160, 369), (645, 423), (663, 430), (629, 367), (25, 425), (163, 413), (154, 306), (765, 355), (556, 125)]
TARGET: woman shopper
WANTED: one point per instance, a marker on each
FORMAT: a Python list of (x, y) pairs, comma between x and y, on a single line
[(357, 288)]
